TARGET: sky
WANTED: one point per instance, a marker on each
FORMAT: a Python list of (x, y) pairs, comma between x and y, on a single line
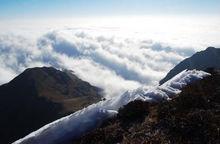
[(19, 9)]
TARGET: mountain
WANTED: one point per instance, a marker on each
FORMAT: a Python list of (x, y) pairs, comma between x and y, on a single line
[(191, 117), (39, 96), (184, 109), (76, 124), (200, 61)]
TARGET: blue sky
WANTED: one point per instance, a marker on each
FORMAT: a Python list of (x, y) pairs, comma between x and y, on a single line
[(78, 8)]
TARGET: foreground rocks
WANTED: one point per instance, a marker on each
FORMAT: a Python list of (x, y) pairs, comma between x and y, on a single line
[(39, 96), (193, 116)]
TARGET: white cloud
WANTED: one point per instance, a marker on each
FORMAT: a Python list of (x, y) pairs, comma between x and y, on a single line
[(115, 64), (114, 58), (6, 74)]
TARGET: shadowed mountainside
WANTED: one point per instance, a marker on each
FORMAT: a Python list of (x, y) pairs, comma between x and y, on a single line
[(200, 61), (192, 117), (39, 96)]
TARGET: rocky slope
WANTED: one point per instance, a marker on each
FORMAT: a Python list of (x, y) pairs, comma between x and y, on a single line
[(193, 116), (83, 121), (39, 96), (200, 61)]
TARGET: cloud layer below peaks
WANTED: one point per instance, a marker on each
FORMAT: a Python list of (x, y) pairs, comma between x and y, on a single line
[(111, 62)]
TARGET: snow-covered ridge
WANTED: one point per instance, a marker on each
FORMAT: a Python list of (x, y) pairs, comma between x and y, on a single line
[(82, 121)]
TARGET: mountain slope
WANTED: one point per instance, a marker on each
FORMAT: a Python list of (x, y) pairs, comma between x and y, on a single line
[(193, 116), (85, 120), (38, 96), (200, 61)]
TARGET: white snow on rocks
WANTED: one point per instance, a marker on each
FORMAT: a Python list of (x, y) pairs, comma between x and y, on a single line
[(84, 120)]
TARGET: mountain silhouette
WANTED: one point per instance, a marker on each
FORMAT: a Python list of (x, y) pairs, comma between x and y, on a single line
[(39, 96), (191, 117), (209, 58)]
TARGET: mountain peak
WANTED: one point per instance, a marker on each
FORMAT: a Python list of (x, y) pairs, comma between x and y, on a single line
[(40, 95), (37, 73), (190, 117), (54, 84), (210, 48), (209, 58)]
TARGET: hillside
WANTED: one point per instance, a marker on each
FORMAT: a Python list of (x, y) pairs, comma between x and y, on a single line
[(192, 117), (200, 61), (38, 96), (83, 121)]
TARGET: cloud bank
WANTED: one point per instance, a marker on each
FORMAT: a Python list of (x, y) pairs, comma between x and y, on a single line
[(116, 54), (113, 63)]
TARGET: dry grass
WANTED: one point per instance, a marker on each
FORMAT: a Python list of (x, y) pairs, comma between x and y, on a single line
[(193, 117)]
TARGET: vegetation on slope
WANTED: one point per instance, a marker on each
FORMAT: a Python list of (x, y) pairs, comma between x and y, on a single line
[(192, 117), (39, 96)]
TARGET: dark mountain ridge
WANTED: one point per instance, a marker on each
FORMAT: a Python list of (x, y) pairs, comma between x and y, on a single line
[(192, 117), (39, 96), (200, 61)]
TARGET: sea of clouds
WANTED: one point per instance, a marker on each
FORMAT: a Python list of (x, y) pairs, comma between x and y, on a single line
[(116, 58)]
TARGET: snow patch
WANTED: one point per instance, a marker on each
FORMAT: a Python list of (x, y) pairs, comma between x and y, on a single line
[(84, 120)]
